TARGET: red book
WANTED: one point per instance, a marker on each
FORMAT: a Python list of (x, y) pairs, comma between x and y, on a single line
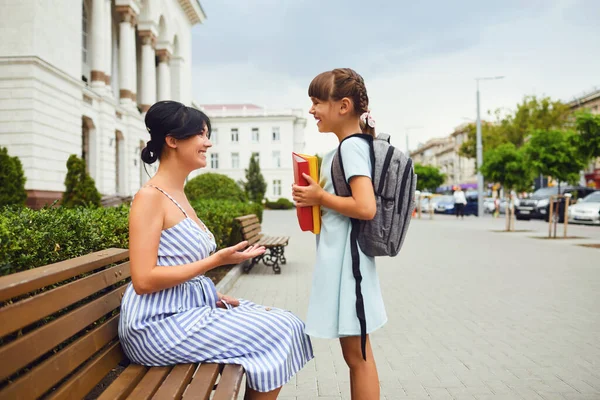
[(305, 214)]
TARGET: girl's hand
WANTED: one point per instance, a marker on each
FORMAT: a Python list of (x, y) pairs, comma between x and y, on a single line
[(236, 254), (310, 195), (232, 301)]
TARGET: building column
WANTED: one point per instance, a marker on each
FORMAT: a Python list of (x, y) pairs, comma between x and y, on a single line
[(164, 75), (98, 38), (108, 42), (127, 81), (148, 87)]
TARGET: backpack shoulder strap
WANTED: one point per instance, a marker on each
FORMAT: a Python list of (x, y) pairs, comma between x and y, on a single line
[(338, 175)]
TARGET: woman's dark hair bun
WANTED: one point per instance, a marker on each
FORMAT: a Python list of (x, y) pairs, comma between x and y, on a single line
[(171, 118)]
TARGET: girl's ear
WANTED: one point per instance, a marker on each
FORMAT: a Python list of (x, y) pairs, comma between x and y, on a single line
[(171, 142), (346, 106)]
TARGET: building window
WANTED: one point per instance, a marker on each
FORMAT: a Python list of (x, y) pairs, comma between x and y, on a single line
[(256, 157), (235, 136), (276, 159), (214, 161), (214, 136), (277, 187), (235, 160), (255, 135), (84, 33), (276, 136)]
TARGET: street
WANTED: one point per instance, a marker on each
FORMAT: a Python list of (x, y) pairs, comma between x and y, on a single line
[(474, 313)]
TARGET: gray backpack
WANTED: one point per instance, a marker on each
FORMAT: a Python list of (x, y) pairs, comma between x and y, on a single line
[(394, 184)]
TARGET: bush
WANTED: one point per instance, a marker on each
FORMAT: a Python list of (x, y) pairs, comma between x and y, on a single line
[(12, 180), (219, 215), (280, 204), (32, 238), (213, 186), (80, 187)]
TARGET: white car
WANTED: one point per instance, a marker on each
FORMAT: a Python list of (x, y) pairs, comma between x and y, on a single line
[(586, 211)]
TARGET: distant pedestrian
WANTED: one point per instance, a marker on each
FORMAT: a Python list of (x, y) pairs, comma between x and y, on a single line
[(460, 200)]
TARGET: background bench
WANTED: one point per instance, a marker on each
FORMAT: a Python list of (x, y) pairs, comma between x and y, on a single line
[(62, 341), (252, 232)]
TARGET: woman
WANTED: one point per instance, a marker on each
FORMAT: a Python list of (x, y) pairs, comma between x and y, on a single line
[(171, 312)]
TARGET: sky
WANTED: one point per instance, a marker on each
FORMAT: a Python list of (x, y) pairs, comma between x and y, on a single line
[(419, 60)]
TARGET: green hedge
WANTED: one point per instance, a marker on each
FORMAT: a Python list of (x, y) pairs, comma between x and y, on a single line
[(211, 186), (280, 204), (32, 238)]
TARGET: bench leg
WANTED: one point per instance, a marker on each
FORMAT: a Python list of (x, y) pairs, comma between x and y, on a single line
[(250, 264), (274, 257)]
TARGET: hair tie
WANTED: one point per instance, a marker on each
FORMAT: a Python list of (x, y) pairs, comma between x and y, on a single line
[(367, 119)]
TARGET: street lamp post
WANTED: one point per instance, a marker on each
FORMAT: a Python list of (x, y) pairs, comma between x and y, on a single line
[(479, 149), (408, 128)]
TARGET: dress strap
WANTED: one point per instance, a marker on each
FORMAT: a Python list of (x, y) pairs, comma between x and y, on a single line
[(171, 198)]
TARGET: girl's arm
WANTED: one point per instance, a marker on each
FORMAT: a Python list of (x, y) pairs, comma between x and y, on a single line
[(145, 226), (361, 205)]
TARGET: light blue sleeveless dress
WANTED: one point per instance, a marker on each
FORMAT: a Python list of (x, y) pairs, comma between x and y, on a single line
[(182, 324), (332, 304)]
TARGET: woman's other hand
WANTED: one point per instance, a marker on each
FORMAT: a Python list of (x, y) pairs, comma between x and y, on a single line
[(306, 196), (232, 301), (239, 253)]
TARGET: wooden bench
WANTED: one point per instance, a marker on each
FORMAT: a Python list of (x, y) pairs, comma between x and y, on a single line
[(252, 232), (60, 342)]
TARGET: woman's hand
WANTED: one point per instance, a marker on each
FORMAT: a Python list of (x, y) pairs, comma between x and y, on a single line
[(236, 254), (310, 195), (232, 301)]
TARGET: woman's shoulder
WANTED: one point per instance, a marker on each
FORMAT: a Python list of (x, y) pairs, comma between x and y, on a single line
[(147, 197)]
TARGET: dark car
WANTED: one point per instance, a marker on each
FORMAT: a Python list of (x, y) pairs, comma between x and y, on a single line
[(445, 205), (538, 205)]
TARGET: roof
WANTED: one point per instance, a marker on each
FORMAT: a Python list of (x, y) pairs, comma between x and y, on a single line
[(212, 107), (585, 98)]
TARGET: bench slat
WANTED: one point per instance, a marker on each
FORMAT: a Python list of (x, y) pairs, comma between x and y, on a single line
[(23, 313), (150, 383), (24, 282), (44, 376), (247, 230), (176, 383), (202, 384), (254, 239), (251, 234), (230, 382), (248, 217), (125, 383), (89, 376), (26, 349)]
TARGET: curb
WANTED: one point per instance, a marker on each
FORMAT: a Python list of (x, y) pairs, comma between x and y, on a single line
[(226, 284)]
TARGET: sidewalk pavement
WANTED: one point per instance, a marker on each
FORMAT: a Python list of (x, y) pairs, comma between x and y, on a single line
[(473, 313)]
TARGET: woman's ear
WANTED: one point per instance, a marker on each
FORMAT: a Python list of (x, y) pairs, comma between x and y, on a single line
[(346, 106), (171, 142)]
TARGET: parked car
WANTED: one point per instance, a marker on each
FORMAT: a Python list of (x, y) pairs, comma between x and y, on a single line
[(587, 210), (538, 205)]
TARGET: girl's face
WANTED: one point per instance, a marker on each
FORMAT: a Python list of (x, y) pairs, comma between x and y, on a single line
[(326, 113), (192, 150)]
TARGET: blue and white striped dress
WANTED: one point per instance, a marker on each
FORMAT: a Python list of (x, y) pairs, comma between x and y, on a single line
[(182, 324)]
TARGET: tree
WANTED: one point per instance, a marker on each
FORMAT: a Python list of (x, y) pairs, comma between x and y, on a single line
[(428, 177), (588, 140), (506, 165), (80, 187), (555, 153), (255, 185), (532, 114), (12, 180)]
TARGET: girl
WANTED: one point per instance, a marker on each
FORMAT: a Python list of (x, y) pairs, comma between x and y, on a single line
[(340, 105), (171, 313)]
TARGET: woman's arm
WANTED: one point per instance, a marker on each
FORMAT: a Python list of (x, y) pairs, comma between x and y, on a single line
[(145, 226)]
